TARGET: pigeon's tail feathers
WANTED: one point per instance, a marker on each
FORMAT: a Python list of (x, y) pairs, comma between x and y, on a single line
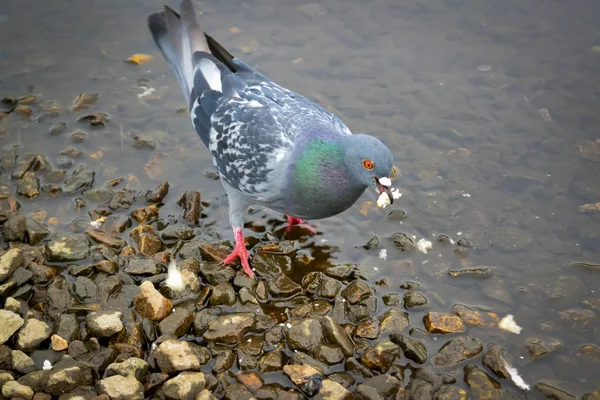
[(221, 53), (178, 36)]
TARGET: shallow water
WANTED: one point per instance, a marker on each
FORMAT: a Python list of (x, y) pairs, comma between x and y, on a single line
[(477, 158)]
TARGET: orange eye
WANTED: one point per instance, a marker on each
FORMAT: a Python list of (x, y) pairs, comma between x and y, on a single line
[(368, 164)]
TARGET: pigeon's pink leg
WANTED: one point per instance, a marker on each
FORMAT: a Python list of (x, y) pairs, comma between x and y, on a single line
[(296, 221), (241, 252)]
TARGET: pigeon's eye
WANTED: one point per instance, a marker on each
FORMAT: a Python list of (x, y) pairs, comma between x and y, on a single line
[(368, 164)]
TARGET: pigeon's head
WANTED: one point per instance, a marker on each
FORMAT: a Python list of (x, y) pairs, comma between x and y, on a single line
[(369, 162)]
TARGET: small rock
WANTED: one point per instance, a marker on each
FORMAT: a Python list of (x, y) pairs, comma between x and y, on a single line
[(174, 356), (83, 101), (104, 323), (551, 391), (142, 266), (393, 321), (35, 232), (133, 366), (151, 304), (413, 349), (119, 387), (177, 233), (330, 354), (178, 323), (122, 199), (68, 247), (404, 242), (64, 162), (58, 343), (28, 186), (185, 386), (472, 317), (32, 334), (223, 294), (68, 377), (14, 229), (9, 262), (363, 391), (332, 390), (456, 351), (251, 380), (447, 392), (392, 300), (270, 362), (229, 329), (380, 357), (303, 376), (142, 215), (436, 322), (493, 359), (15, 390), (482, 385), (21, 362), (368, 329), (306, 335), (538, 348), (414, 299), (386, 384), (82, 177), (280, 286), (192, 206), (356, 290), (158, 194), (147, 240), (99, 236), (329, 288), (478, 272)]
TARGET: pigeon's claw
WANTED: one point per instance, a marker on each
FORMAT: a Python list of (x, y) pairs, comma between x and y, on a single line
[(297, 221), (241, 252)]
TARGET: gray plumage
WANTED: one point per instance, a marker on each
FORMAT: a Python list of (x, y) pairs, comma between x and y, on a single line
[(271, 146)]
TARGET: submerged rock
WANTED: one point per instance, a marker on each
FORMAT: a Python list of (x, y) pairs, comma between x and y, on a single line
[(482, 385), (456, 351), (68, 247)]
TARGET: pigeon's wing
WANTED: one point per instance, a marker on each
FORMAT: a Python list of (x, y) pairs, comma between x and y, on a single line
[(292, 102), (250, 141)]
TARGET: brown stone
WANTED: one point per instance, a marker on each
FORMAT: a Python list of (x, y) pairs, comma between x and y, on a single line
[(482, 385), (456, 351), (214, 251), (472, 317), (368, 329), (251, 380), (99, 236), (158, 194), (58, 343), (300, 374), (192, 208), (146, 239), (436, 322), (151, 304), (145, 213)]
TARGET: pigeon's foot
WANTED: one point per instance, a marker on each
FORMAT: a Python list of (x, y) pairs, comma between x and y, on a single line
[(241, 252), (297, 221)]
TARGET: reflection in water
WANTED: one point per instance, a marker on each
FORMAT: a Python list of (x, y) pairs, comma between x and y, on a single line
[(490, 110)]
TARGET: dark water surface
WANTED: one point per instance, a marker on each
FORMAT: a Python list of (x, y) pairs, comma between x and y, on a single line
[(454, 88)]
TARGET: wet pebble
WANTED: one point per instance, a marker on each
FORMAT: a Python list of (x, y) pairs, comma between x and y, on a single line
[(68, 247), (119, 387), (151, 304), (482, 385), (82, 177), (436, 322), (412, 348), (415, 299), (305, 335), (15, 390), (184, 386), (10, 323), (381, 356), (32, 334), (229, 329), (57, 128), (456, 351), (173, 356), (104, 323), (178, 323), (146, 239)]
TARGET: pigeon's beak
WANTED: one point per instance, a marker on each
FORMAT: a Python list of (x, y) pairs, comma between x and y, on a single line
[(384, 185)]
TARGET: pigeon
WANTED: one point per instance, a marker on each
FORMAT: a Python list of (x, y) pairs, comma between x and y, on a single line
[(272, 147)]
